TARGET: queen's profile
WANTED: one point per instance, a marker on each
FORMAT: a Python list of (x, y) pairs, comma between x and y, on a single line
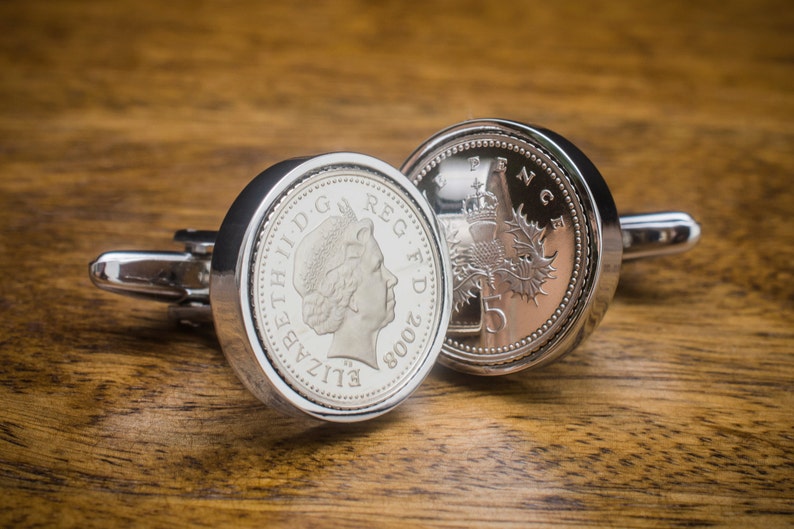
[(345, 287)]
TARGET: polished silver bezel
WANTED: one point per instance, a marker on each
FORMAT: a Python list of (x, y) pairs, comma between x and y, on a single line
[(231, 276), (603, 251)]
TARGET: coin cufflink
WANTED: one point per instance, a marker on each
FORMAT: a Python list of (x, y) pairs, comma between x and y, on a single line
[(336, 281), (328, 284), (535, 241)]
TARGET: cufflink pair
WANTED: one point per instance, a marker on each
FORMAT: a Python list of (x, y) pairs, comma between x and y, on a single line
[(335, 282)]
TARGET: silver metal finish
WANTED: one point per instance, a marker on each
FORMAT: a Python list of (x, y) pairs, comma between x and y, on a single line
[(180, 278), (329, 286), (658, 234), (173, 277), (535, 241)]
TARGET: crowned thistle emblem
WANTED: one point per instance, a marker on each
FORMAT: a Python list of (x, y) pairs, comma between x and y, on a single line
[(484, 267)]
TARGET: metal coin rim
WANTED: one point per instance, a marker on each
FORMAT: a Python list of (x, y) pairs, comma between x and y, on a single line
[(604, 246), (230, 276)]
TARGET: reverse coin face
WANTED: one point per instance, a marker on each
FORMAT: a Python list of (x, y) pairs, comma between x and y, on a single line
[(534, 242), (345, 288)]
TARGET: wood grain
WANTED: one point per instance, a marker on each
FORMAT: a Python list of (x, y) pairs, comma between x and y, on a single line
[(123, 121)]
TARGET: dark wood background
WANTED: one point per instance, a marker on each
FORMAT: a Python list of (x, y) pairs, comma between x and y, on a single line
[(123, 121)]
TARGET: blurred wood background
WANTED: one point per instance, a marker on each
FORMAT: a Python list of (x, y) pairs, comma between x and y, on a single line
[(123, 121)]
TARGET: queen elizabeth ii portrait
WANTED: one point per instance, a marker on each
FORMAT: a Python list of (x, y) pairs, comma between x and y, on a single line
[(345, 287)]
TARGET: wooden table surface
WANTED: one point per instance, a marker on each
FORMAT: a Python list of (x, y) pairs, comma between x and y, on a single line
[(123, 121)]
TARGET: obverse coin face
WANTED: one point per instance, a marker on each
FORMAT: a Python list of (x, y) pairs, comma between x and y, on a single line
[(347, 289), (527, 243)]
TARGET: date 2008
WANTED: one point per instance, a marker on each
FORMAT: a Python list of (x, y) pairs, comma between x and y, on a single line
[(407, 337)]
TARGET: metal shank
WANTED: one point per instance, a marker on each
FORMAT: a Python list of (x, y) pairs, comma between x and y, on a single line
[(658, 234), (179, 278)]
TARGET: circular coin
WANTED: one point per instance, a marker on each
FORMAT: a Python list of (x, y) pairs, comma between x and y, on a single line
[(344, 288), (534, 242)]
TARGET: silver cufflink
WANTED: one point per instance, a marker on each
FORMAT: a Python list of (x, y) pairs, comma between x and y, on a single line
[(328, 283), (335, 282), (535, 241)]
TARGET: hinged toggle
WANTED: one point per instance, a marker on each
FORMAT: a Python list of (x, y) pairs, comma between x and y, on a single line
[(179, 278)]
